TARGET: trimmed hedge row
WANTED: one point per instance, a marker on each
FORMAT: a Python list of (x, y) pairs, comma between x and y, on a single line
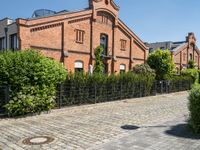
[(82, 88)]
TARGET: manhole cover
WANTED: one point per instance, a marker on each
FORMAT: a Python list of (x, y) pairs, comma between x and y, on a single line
[(130, 127), (39, 140)]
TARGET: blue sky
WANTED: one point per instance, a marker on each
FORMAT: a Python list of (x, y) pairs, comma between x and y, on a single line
[(151, 20)]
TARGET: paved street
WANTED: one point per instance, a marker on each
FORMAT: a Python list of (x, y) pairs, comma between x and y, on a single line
[(97, 127)]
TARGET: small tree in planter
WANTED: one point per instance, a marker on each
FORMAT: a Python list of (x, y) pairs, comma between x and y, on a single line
[(33, 79)]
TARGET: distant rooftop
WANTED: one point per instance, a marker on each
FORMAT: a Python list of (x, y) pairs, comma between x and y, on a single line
[(172, 46), (46, 12)]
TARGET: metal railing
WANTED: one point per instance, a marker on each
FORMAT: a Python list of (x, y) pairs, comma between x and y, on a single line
[(69, 94), (4, 97)]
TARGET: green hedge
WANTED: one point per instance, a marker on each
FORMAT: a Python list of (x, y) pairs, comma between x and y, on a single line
[(82, 88), (33, 79), (193, 73), (194, 107)]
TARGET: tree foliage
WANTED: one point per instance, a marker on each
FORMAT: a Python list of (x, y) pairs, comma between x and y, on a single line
[(33, 79), (161, 62), (99, 65), (191, 64), (193, 73)]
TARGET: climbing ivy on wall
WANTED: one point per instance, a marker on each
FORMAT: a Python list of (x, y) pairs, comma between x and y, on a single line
[(99, 65)]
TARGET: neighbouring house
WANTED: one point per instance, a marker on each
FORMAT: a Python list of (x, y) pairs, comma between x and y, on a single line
[(8, 34), (71, 37), (182, 52)]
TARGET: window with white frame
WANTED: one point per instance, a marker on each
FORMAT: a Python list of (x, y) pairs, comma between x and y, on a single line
[(122, 68), (78, 66)]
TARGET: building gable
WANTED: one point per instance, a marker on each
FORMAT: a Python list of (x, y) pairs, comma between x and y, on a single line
[(109, 4)]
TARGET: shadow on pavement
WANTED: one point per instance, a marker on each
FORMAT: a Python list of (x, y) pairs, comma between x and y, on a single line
[(183, 131), (130, 127)]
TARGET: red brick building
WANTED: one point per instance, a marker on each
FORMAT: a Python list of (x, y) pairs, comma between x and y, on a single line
[(182, 51), (71, 37)]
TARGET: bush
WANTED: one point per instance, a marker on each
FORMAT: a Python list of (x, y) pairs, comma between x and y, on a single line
[(33, 79), (193, 73), (194, 107), (161, 62), (191, 64), (144, 69)]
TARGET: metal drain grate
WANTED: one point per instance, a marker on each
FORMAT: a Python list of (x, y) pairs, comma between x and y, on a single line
[(38, 140)]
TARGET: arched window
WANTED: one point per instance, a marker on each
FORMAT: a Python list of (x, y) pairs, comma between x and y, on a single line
[(104, 43), (191, 57), (122, 68), (78, 66)]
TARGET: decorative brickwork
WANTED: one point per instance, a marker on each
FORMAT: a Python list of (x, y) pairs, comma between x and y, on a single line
[(72, 36)]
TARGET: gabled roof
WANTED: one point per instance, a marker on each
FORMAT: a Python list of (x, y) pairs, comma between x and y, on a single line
[(136, 38), (172, 46)]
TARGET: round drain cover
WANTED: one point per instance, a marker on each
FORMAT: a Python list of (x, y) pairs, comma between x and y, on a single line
[(130, 127), (38, 140)]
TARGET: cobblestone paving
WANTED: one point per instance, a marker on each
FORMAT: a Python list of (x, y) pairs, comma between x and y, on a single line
[(173, 135), (98, 126)]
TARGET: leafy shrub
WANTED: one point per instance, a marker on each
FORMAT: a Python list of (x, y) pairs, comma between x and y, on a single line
[(191, 64), (194, 107), (161, 62), (193, 73), (144, 69), (33, 79)]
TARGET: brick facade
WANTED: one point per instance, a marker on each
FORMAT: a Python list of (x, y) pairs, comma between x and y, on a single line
[(186, 52), (73, 36), (182, 52)]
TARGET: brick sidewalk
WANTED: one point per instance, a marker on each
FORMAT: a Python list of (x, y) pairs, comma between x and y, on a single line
[(91, 126)]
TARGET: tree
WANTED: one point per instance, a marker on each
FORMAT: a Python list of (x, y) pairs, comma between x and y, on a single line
[(99, 65), (191, 64), (161, 62)]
